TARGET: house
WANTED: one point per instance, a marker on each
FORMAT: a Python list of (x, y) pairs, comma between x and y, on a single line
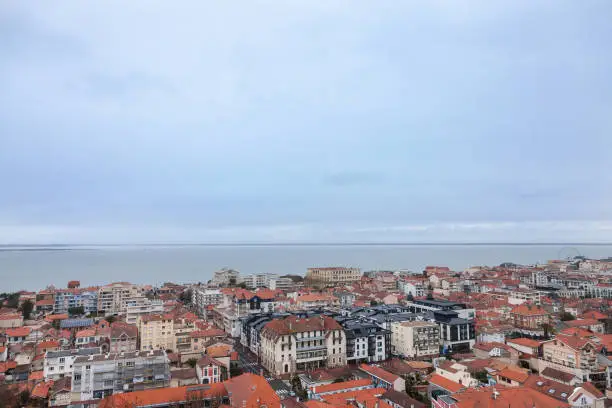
[(401, 400), (17, 335), (456, 372), (497, 397), (526, 346), (530, 319), (383, 378), (486, 350), (439, 386), (11, 320), (59, 395), (182, 377), (589, 324), (587, 396), (511, 378), (210, 371), (123, 337), (572, 354), (319, 392)]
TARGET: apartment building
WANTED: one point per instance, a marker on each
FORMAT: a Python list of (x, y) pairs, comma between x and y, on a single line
[(456, 334), (333, 275), (123, 338), (365, 341), (530, 319), (202, 298), (59, 364), (98, 376), (570, 354), (65, 299), (142, 306), (164, 332), (226, 277), (415, 339), (297, 344), (520, 296), (115, 298)]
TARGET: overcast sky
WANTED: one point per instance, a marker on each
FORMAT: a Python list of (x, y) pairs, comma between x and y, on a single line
[(347, 120)]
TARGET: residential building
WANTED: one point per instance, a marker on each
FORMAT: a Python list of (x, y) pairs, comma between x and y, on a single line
[(202, 298), (333, 275), (210, 371), (260, 280), (17, 335), (284, 284), (164, 332), (456, 372), (456, 334), (415, 339), (520, 296), (100, 375), (526, 346), (434, 305), (297, 344), (530, 319), (123, 338), (570, 354), (226, 277), (11, 320), (495, 397), (59, 364), (141, 306), (383, 378), (365, 341), (115, 298), (66, 299)]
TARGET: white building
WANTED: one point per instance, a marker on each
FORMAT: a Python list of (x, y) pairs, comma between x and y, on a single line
[(226, 277), (415, 339), (333, 275), (59, 364), (142, 306), (202, 297), (115, 298)]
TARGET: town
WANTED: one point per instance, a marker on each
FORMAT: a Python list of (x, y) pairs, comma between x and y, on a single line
[(504, 336)]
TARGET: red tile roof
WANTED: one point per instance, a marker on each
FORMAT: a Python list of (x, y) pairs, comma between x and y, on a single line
[(161, 396), (379, 373), (18, 332), (41, 390), (506, 397), (522, 341), (513, 375), (529, 310), (445, 383), (294, 324), (341, 386)]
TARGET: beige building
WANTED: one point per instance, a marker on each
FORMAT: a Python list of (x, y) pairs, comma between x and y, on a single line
[(116, 297), (415, 339), (164, 332), (297, 344), (333, 275), (571, 354)]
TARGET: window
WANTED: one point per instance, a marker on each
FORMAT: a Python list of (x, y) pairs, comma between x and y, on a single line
[(129, 364), (51, 368), (87, 367), (62, 359)]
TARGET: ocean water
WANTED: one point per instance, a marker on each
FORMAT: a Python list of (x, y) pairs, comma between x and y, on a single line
[(35, 269)]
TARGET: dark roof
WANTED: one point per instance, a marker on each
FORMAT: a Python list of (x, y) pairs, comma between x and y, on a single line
[(72, 323), (183, 374), (402, 399)]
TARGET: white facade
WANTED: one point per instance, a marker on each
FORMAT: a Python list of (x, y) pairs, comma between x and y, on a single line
[(115, 298), (59, 364), (142, 306), (415, 339)]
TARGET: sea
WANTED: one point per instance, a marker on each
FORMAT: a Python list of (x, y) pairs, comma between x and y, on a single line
[(35, 267)]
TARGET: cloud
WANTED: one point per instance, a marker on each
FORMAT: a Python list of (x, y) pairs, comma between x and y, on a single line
[(343, 114)]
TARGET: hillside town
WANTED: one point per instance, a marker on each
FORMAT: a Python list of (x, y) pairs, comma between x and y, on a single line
[(504, 336)]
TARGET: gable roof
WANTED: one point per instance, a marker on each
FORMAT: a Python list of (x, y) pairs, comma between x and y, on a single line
[(345, 385), (379, 373), (445, 383), (250, 390), (506, 397)]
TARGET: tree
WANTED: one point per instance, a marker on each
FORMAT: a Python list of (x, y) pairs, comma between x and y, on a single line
[(566, 316), (12, 300), (482, 376), (26, 309), (76, 311), (192, 362), (186, 297), (110, 319), (410, 297), (373, 303)]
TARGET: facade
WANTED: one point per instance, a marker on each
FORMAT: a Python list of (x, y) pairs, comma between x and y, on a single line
[(202, 298), (209, 370), (65, 299), (260, 280), (141, 306), (115, 298), (529, 319), (59, 364), (456, 334), (11, 320), (333, 275), (226, 277), (366, 341), (570, 354), (123, 338), (384, 379), (297, 344), (165, 332), (520, 296), (98, 376), (416, 339)]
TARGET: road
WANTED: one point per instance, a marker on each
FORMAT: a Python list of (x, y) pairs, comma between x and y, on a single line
[(249, 363)]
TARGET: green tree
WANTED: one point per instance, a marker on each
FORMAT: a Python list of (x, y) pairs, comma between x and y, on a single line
[(12, 300), (192, 362), (482, 376), (566, 316), (110, 319), (26, 309), (373, 303)]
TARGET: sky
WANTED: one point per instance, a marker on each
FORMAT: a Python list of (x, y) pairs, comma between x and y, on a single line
[(305, 121)]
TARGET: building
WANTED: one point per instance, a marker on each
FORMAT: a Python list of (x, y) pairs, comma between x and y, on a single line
[(115, 298), (11, 320), (530, 319), (17, 335), (520, 296), (164, 332), (100, 375), (384, 379), (333, 275), (226, 277), (59, 364), (284, 284), (141, 306), (496, 397), (123, 338), (66, 299), (416, 339), (202, 298), (260, 280), (570, 354), (296, 344), (366, 341), (210, 371), (456, 334), (456, 372)]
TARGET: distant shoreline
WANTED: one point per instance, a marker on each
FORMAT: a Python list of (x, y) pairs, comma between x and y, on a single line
[(89, 247)]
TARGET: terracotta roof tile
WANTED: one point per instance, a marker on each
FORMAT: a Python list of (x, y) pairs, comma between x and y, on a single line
[(445, 383), (379, 373)]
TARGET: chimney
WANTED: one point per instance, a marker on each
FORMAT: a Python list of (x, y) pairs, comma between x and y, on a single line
[(495, 394)]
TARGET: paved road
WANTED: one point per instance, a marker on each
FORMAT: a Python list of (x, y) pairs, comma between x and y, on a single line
[(249, 362)]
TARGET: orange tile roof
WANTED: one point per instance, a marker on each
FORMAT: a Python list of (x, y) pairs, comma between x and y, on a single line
[(361, 395), (506, 397), (46, 344), (219, 351), (341, 386), (35, 375), (41, 390), (251, 391), (594, 314), (529, 310), (53, 317), (7, 365), (294, 324), (379, 373), (582, 322), (445, 383), (212, 332), (160, 396), (10, 316), (86, 333), (18, 332), (45, 302), (513, 375), (522, 341)]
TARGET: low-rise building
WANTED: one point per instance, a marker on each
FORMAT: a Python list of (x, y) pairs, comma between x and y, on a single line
[(383, 379), (59, 364), (98, 376), (415, 339), (11, 320), (123, 338), (530, 319), (210, 371)]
